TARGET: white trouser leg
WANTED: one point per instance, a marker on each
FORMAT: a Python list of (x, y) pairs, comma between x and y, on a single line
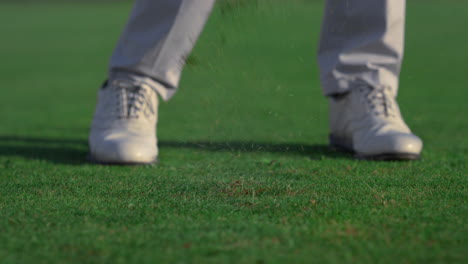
[(157, 40), (362, 40)]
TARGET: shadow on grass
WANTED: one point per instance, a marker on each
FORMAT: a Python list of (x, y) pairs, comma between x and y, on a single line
[(56, 150), (74, 151), (311, 151)]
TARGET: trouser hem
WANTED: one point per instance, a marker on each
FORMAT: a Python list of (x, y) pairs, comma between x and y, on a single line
[(338, 83), (163, 90)]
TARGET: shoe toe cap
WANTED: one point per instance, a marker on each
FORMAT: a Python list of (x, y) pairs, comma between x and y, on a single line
[(124, 152), (393, 143)]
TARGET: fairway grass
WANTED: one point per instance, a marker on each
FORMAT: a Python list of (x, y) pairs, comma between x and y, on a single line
[(245, 174)]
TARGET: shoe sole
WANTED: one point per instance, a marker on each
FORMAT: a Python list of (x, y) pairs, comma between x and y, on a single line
[(93, 160), (341, 145)]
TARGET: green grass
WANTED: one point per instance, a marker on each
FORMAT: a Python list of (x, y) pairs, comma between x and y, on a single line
[(245, 173)]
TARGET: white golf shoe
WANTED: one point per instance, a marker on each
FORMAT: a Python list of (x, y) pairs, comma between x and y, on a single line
[(368, 122), (124, 125)]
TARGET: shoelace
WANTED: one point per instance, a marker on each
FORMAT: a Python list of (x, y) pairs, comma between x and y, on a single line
[(132, 100), (379, 100)]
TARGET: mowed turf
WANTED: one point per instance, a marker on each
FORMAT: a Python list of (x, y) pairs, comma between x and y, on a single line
[(245, 174)]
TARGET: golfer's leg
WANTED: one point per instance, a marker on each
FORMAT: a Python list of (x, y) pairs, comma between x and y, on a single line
[(149, 58), (158, 38), (362, 40), (360, 56)]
